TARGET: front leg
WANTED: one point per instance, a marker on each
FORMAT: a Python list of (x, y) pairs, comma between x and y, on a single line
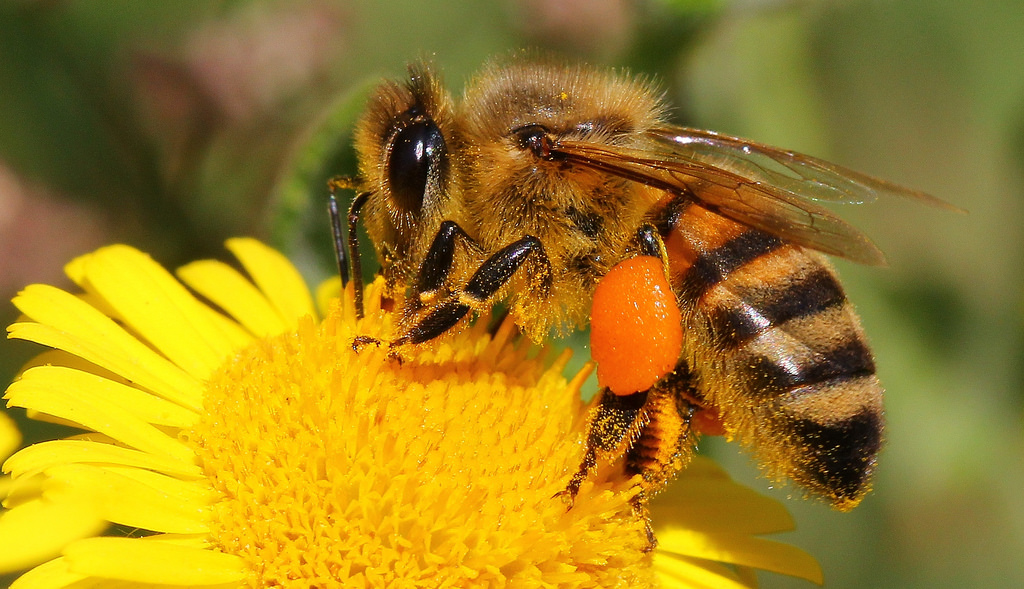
[(489, 278), (437, 265)]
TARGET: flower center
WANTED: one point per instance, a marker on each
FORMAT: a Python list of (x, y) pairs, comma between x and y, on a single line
[(344, 467)]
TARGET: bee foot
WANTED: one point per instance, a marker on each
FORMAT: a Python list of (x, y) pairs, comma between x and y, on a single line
[(652, 540), (569, 497), (361, 341), (640, 509), (568, 494)]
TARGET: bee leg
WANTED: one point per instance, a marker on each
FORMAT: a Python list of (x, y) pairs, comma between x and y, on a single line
[(439, 320), (614, 423), (665, 443), (493, 274), (439, 259), (497, 270), (648, 242), (354, 261), (666, 214), (354, 267), (432, 275)]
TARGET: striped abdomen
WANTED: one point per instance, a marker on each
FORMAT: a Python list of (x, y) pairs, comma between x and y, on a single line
[(776, 346)]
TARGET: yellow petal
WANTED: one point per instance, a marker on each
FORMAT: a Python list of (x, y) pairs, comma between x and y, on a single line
[(199, 541), (10, 437), (741, 549), (705, 498), (44, 393), (276, 277), (689, 573), (51, 575), (62, 358), (166, 563), (157, 307), (67, 323), (134, 497), (238, 337), (39, 457), (6, 485), (18, 491), (228, 289), (103, 391), (21, 543), (328, 290)]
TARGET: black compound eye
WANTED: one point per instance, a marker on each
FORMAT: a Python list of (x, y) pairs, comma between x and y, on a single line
[(415, 150)]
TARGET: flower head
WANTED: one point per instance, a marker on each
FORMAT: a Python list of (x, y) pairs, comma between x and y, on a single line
[(244, 442)]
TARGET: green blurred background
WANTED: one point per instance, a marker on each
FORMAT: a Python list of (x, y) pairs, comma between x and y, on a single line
[(173, 125)]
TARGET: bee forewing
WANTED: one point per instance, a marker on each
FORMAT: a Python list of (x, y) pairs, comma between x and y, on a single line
[(792, 216), (802, 175)]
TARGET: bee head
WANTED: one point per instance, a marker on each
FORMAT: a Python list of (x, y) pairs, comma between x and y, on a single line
[(404, 160)]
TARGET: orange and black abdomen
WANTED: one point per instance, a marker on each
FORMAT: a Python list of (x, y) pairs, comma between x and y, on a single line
[(774, 344)]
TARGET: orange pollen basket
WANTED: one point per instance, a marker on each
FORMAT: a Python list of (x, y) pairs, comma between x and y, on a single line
[(636, 330)]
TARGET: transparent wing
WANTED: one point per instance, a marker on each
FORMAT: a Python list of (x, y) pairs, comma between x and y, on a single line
[(800, 175), (764, 187)]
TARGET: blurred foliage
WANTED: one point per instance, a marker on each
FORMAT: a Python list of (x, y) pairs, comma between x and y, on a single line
[(172, 125)]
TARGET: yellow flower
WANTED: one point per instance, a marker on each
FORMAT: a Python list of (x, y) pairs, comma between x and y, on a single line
[(238, 441)]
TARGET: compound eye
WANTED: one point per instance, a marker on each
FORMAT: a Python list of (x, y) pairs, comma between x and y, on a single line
[(415, 150)]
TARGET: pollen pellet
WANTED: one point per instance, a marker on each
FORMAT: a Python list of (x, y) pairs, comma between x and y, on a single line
[(635, 327)]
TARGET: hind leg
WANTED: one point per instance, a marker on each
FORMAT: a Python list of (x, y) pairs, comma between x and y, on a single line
[(650, 430), (611, 429)]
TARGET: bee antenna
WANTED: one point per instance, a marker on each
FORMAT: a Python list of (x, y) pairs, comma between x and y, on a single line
[(337, 232), (348, 263), (353, 250)]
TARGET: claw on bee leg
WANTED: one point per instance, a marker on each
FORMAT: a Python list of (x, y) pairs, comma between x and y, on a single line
[(361, 341), (640, 509), (568, 494), (652, 540)]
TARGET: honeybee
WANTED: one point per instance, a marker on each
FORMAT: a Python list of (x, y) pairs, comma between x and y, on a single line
[(545, 182)]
